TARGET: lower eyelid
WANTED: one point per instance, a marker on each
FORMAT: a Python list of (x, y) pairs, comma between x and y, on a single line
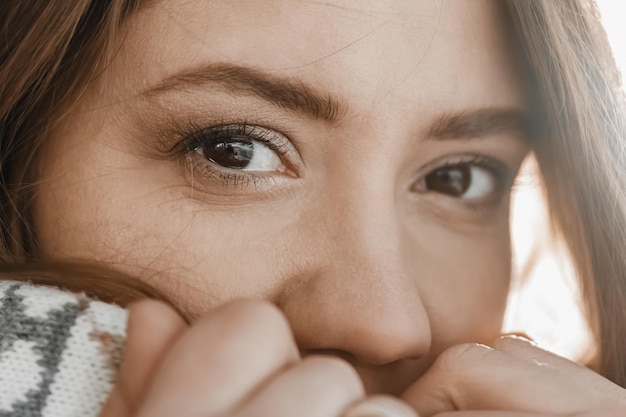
[(222, 177)]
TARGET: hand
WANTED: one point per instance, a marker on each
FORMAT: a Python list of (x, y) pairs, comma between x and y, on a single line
[(240, 360), (513, 378)]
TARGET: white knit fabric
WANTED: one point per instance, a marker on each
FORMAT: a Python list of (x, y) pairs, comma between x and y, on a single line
[(59, 352), (19, 372)]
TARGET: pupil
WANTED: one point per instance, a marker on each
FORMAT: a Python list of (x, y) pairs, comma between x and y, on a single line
[(230, 153), (451, 181)]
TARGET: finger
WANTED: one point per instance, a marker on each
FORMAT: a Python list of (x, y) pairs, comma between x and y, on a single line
[(380, 406), (152, 329), (477, 377), (317, 386), (525, 348), (528, 350), (521, 335), (220, 360), (484, 413)]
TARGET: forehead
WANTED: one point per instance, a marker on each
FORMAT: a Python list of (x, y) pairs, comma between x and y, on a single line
[(364, 52)]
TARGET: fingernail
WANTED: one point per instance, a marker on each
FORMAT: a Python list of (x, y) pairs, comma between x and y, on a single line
[(519, 336)]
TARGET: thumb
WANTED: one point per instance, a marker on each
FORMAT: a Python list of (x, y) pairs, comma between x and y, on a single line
[(152, 328), (512, 375)]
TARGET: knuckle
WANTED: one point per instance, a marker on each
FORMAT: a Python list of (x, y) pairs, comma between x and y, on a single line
[(460, 356), (336, 374), (257, 315), (257, 323)]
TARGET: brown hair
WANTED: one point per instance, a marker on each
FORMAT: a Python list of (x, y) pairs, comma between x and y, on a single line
[(54, 48), (580, 144)]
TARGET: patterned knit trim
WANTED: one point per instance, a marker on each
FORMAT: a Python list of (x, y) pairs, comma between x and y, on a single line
[(59, 351)]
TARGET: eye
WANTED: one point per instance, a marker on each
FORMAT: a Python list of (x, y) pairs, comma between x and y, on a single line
[(242, 154), (242, 148), (478, 179)]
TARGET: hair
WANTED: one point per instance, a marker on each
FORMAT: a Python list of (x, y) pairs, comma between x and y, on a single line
[(53, 49)]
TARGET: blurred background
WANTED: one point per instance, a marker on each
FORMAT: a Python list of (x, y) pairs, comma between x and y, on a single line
[(545, 300)]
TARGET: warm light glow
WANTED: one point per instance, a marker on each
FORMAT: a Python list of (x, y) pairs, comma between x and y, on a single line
[(544, 302), (546, 305)]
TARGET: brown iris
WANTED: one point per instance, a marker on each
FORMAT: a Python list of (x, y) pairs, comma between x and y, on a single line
[(230, 153), (453, 181)]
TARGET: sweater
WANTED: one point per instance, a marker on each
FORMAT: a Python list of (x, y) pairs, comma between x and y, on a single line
[(59, 351)]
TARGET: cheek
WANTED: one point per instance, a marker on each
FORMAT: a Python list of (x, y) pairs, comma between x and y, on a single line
[(466, 282), (107, 205), (140, 219), (130, 216)]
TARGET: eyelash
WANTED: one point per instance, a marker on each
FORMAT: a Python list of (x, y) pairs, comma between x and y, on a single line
[(504, 178), (500, 172), (198, 136)]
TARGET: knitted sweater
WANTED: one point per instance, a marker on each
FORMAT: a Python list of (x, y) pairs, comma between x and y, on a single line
[(59, 352)]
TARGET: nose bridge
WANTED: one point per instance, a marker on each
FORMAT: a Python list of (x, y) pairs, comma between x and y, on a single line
[(361, 297), (368, 235), (361, 207)]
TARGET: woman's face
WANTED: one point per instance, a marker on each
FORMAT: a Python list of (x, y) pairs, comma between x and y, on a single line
[(349, 161)]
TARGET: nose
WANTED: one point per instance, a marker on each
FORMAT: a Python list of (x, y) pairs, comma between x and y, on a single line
[(359, 293)]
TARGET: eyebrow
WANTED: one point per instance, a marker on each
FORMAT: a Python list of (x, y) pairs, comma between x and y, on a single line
[(296, 96), (480, 123), (286, 93)]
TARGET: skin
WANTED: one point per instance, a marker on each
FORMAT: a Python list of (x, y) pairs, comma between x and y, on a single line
[(168, 370), (342, 230)]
